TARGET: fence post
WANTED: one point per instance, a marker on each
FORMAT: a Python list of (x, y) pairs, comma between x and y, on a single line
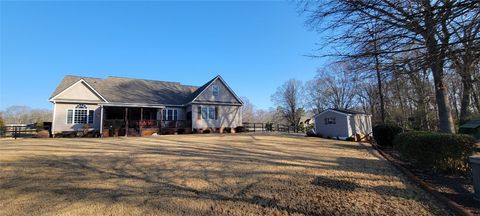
[(254, 128)]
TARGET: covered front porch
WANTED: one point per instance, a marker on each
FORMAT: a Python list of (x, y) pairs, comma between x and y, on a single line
[(137, 121)]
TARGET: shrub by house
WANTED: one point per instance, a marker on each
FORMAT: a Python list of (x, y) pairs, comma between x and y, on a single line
[(384, 134), (437, 151)]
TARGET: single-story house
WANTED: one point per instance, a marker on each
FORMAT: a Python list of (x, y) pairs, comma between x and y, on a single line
[(117, 106), (343, 123)]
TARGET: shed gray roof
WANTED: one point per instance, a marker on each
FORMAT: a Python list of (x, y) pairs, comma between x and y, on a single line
[(471, 124), (348, 111), (128, 90)]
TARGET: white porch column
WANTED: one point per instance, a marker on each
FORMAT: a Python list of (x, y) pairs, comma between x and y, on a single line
[(101, 120), (53, 119)]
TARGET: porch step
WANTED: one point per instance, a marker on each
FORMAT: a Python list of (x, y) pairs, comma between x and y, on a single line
[(133, 132)]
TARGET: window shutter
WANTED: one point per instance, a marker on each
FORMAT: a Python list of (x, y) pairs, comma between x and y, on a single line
[(199, 113), (216, 112), (69, 116)]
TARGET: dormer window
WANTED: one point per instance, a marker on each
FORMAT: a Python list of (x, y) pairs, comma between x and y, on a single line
[(215, 90)]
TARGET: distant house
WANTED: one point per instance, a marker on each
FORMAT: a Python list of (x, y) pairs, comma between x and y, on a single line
[(342, 123), (117, 106)]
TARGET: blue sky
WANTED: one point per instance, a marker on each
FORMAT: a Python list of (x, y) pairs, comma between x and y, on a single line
[(254, 46)]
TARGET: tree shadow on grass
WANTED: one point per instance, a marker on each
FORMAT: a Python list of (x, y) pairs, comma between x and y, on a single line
[(335, 183), (75, 179), (134, 180)]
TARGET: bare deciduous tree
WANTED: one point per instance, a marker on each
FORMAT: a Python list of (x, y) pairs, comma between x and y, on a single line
[(26, 115), (426, 27), (333, 87), (248, 115), (289, 100)]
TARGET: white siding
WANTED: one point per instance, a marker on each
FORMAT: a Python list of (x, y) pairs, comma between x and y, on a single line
[(60, 119), (224, 94), (363, 124), (79, 92), (228, 116), (339, 129), (346, 125), (181, 112)]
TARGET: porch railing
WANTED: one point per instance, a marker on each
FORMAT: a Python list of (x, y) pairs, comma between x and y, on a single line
[(114, 123), (174, 124), (120, 123), (149, 123)]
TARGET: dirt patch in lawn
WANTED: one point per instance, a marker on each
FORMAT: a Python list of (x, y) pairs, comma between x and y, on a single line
[(203, 175)]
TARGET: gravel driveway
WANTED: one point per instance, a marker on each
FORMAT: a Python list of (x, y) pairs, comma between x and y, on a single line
[(235, 174)]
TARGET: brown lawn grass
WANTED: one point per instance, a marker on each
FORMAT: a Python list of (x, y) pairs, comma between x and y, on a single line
[(203, 175)]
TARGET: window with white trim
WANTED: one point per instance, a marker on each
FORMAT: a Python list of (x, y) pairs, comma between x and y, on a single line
[(80, 115), (211, 113), (170, 114), (208, 112), (215, 90), (204, 112)]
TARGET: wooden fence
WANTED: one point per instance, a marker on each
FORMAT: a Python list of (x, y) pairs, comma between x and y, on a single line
[(23, 130), (270, 127), (17, 131)]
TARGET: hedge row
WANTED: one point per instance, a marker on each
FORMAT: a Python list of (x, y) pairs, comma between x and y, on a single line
[(384, 134), (437, 151)]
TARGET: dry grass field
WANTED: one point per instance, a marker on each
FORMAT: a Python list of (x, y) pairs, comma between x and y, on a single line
[(203, 175)]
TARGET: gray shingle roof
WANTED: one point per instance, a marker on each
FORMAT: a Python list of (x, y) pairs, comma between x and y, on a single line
[(199, 90), (471, 124), (348, 111), (128, 90)]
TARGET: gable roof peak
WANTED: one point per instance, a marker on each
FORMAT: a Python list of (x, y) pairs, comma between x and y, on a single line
[(202, 88)]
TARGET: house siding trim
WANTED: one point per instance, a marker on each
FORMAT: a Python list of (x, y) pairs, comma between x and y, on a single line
[(71, 86), (210, 84)]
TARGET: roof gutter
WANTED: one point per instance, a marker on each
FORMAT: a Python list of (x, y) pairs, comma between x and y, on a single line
[(132, 105)]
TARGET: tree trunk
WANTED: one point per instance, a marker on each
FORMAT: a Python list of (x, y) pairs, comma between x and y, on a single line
[(399, 95), (379, 82), (435, 58), (441, 95), (465, 103), (453, 99)]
